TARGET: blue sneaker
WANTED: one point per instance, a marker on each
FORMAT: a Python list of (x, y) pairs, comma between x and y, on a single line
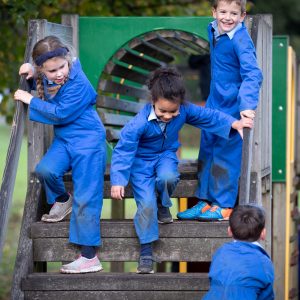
[(216, 213), (194, 212)]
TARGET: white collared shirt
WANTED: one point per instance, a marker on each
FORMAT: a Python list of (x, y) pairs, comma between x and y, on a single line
[(230, 33), (153, 116)]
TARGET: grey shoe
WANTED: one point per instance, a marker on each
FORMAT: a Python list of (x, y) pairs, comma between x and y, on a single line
[(58, 211), (163, 214), (145, 265)]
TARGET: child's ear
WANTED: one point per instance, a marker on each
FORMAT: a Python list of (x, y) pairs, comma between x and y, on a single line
[(243, 16), (263, 234), (229, 231), (214, 12)]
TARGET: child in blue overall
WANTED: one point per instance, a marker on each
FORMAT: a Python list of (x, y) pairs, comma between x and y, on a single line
[(146, 154), (242, 269), (235, 83), (65, 100)]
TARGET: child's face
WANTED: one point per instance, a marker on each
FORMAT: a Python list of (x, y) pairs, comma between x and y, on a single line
[(56, 69), (166, 110), (228, 16)]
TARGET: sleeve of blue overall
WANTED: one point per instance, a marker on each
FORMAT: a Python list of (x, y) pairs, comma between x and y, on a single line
[(71, 102), (251, 75), (125, 150), (268, 292), (211, 120)]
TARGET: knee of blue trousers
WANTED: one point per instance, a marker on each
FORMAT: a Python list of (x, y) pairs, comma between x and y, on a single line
[(44, 172), (168, 180)]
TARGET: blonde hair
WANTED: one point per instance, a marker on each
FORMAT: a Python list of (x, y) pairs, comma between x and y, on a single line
[(49, 47)]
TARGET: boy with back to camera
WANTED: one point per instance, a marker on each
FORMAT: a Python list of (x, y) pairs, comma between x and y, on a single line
[(242, 269), (234, 89)]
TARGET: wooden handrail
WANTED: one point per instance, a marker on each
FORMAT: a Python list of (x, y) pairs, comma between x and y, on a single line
[(13, 154)]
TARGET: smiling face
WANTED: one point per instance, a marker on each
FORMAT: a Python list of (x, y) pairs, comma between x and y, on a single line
[(56, 69), (228, 15), (166, 110)]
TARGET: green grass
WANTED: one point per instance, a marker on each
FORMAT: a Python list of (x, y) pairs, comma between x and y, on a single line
[(16, 211)]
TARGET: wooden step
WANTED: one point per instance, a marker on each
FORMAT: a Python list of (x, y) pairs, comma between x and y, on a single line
[(116, 286), (180, 241), (186, 187)]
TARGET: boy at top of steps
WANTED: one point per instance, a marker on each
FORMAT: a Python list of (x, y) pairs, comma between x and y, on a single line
[(146, 154), (242, 269), (234, 89), (65, 100)]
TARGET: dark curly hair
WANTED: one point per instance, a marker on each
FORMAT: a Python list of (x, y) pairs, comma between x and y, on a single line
[(167, 83)]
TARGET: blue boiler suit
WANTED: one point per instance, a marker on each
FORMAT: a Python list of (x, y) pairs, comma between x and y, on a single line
[(146, 156), (235, 84), (78, 145), (241, 270)]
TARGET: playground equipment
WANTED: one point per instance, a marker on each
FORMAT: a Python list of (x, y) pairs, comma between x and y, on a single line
[(117, 54)]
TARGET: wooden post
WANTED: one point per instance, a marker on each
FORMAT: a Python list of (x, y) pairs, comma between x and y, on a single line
[(13, 154)]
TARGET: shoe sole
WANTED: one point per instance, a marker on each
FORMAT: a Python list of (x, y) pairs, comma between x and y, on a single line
[(140, 272), (212, 220), (57, 219), (165, 222), (89, 270)]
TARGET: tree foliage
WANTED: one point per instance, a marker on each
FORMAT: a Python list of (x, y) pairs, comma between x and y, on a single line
[(14, 16)]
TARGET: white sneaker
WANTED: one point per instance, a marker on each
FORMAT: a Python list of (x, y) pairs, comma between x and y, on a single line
[(82, 265), (58, 211)]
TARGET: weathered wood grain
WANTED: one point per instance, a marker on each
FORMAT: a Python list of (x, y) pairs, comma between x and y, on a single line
[(128, 249), (125, 229), (112, 295), (116, 282)]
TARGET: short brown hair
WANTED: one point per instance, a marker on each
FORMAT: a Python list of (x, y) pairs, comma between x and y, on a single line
[(241, 3), (247, 222)]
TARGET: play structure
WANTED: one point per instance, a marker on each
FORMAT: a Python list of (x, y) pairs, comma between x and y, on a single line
[(117, 54)]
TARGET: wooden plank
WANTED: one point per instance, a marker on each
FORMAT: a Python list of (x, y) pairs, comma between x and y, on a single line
[(119, 104), (136, 60), (126, 73), (71, 20), (112, 135), (24, 258), (125, 229), (122, 89), (102, 281), (140, 45), (278, 246), (13, 153), (128, 249), (184, 188), (162, 42), (112, 295), (113, 119)]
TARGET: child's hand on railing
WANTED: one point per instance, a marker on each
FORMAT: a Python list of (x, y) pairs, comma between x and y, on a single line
[(248, 113), (23, 96), (244, 122), (28, 69), (117, 192)]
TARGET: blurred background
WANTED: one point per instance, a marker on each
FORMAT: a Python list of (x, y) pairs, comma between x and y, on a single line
[(14, 16)]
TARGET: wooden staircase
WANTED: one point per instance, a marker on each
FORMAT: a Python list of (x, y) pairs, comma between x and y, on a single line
[(187, 241)]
